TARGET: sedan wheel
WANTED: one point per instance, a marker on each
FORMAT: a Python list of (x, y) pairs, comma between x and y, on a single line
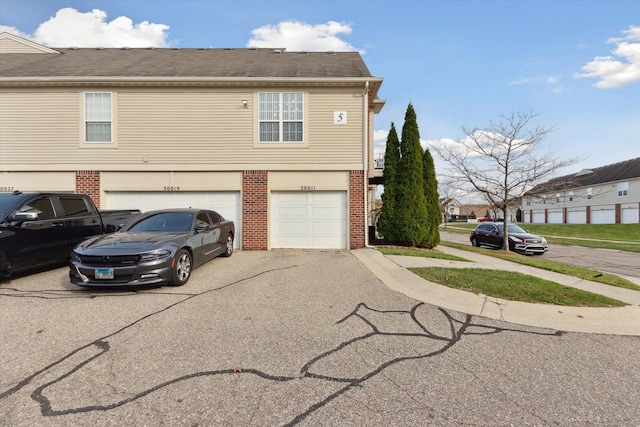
[(181, 268), (229, 249), (474, 242)]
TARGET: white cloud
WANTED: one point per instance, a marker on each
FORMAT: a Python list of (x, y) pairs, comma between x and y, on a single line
[(70, 28), (620, 69), (553, 83), (380, 137), (521, 81), (298, 36), (14, 31)]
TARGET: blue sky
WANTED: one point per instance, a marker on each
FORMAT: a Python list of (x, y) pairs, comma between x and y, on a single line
[(460, 63)]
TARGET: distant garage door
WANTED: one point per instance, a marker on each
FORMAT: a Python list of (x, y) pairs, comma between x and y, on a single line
[(315, 220), (226, 203), (555, 217), (603, 216), (577, 217)]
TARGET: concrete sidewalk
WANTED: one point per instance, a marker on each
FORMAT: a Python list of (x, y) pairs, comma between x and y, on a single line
[(392, 270)]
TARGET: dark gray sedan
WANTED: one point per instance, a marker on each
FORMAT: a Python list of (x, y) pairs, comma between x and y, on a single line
[(158, 247)]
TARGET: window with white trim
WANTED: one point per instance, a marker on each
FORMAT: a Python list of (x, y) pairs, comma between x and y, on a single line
[(281, 116), (623, 189), (571, 196), (98, 117), (589, 193)]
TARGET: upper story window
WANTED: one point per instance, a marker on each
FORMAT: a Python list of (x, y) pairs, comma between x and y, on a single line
[(97, 117), (589, 193), (623, 189), (571, 196), (281, 116)]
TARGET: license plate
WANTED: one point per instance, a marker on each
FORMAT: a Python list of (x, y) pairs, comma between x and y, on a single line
[(104, 273)]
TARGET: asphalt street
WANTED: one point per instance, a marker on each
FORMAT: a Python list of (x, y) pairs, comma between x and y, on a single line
[(606, 260), (309, 338)]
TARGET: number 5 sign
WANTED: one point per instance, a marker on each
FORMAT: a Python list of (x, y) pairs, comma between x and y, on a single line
[(339, 117)]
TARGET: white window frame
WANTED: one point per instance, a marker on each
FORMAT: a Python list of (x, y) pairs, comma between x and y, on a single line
[(103, 117), (623, 189), (589, 193), (281, 115)]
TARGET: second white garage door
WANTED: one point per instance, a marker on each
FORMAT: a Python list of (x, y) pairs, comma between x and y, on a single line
[(315, 220), (226, 203)]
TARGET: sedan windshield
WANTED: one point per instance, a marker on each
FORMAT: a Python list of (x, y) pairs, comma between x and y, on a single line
[(513, 228), (170, 222)]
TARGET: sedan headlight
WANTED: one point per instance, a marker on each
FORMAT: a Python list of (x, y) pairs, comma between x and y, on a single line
[(75, 256), (154, 255), (543, 239), (516, 239)]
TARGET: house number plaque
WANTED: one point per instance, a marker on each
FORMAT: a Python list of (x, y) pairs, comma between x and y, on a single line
[(307, 188)]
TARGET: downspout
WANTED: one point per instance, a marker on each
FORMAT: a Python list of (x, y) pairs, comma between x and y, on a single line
[(365, 145)]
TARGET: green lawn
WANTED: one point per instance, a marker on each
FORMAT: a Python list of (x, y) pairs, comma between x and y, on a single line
[(514, 286), (425, 253), (558, 267), (518, 287)]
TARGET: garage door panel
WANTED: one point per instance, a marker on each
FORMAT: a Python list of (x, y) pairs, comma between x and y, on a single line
[(292, 212), (326, 227), (309, 220), (226, 203)]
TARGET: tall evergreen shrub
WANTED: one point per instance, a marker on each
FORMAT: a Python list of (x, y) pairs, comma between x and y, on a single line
[(387, 221), (430, 186), (411, 206)]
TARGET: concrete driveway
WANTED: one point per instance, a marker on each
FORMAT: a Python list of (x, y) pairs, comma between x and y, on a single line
[(307, 338)]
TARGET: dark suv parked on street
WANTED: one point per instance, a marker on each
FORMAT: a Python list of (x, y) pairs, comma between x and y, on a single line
[(492, 234)]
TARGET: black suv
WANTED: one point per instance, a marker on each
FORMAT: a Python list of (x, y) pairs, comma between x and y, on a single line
[(43, 228), (492, 234)]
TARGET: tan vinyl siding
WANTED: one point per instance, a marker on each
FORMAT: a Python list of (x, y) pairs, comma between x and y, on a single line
[(37, 128), (330, 143), (174, 128), (9, 45)]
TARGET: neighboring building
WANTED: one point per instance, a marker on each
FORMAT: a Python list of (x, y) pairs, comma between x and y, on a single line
[(450, 208), (477, 210), (605, 195), (280, 142)]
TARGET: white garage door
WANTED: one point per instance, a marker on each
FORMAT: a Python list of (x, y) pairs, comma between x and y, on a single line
[(577, 217), (603, 216), (630, 216), (538, 218), (555, 217), (226, 203), (316, 220)]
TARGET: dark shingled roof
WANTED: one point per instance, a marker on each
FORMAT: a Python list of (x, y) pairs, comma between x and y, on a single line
[(628, 169), (176, 63)]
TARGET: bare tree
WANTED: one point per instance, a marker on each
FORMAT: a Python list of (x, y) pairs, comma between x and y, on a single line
[(503, 161), (449, 193)]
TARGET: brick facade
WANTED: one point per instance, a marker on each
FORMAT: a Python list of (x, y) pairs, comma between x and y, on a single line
[(357, 219), (255, 210), (88, 182)]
